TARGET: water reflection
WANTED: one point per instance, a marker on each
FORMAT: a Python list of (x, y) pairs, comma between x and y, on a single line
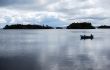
[(54, 50), (22, 62)]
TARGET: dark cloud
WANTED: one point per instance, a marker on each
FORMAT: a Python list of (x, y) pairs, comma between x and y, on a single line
[(15, 2)]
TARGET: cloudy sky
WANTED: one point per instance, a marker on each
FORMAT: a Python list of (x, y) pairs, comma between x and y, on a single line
[(54, 12)]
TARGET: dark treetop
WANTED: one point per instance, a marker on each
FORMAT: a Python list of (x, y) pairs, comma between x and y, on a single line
[(20, 26), (82, 25), (104, 27)]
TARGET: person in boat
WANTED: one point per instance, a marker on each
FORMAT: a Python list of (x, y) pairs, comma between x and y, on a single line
[(87, 37), (91, 36)]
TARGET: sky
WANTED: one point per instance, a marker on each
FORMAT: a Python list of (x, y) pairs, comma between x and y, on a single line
[(54, 12)]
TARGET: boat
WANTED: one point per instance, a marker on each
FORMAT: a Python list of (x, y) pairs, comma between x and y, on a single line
[(87, 37)]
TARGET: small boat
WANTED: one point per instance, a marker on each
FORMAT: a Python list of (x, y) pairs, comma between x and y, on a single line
[(87, 37)]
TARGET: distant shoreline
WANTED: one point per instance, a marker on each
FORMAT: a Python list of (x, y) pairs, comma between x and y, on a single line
[(82, 25)]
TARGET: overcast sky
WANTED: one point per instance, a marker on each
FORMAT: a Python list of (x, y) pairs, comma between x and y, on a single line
[(54, 12)]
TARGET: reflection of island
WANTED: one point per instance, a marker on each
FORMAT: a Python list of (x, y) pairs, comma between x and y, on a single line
[(104, 27), (82, 25), (21, 26)]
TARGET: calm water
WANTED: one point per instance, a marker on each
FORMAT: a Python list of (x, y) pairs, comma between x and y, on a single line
[(54, 50)]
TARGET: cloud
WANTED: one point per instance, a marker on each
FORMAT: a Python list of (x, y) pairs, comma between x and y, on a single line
[(46, 18), (54, 12), (13, 2)]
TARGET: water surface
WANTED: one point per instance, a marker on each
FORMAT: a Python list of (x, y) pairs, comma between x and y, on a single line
[(54, 50)]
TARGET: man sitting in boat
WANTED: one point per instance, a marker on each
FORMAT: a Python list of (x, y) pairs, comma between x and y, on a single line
[(87, 37)]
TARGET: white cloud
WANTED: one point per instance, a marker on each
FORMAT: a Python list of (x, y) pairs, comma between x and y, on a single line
[(23, 17), (36, 11)]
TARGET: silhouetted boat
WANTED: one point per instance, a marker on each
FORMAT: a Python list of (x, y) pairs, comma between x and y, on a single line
[(87, 37)]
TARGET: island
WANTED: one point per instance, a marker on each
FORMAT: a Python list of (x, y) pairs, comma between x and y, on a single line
[(81, 25), (21, 26), (103, 27), (59, 28), (75, 25)]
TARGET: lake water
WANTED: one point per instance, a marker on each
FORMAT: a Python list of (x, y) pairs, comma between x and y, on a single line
[(54, 50)]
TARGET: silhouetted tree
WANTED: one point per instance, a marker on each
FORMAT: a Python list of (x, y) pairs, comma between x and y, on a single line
[(82, 25), (104, 27), (21, 26)]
